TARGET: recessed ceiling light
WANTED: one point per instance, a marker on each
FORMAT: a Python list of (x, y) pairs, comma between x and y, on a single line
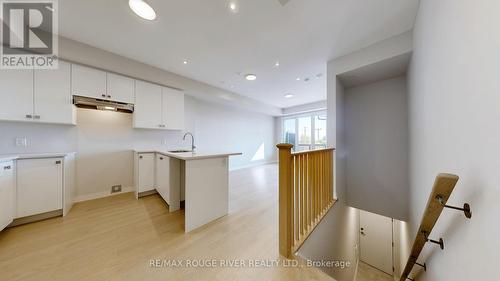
[(233, 6), (251, 77), (185, 62), (298, 79), (277, 64), (142, 9), (288, 96)]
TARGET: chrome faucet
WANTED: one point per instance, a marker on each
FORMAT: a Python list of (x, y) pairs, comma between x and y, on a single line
[(193, 147)]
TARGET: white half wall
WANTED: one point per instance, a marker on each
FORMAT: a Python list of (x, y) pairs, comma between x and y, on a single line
[(454, 105)]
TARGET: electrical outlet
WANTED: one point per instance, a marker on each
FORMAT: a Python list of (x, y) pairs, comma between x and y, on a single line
[(22, 142), (116, 188)]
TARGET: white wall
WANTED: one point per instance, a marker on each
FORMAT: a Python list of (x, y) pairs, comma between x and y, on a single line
[(454, 105), (376, 137)]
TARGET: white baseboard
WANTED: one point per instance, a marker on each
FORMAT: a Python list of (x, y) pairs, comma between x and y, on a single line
[(252, 165), (97, 195)]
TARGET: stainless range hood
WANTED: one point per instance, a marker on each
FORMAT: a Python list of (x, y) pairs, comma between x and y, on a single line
[(99, 104)]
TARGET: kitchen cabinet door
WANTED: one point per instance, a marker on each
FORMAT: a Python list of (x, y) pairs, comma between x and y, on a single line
[(52, 99), (16, 95), (119, 88), (146, 172), (88, 82), (172, 109), (162, 177), (148, 106), (7, 195), (39, 186)]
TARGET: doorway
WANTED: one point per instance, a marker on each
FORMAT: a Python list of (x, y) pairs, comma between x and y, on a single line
[(376, 241)]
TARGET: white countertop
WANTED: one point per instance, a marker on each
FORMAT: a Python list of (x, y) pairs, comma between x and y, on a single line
[(191, 155), (10, 157)]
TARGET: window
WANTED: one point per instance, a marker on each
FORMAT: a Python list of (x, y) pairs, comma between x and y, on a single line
[(305, 131)]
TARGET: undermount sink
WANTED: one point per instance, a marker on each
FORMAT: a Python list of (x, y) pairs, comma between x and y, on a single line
[(180, 151)]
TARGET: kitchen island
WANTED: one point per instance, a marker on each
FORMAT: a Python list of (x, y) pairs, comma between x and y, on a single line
[(200, 179)]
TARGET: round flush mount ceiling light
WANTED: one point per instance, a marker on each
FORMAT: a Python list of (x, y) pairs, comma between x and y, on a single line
[(288, 96), (251, 77), (142, 9), (233, 6)]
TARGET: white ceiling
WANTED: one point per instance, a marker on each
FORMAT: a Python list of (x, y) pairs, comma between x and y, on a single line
[(302, 35)]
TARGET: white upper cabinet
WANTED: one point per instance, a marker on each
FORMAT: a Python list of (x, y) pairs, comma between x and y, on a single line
[(88, 82), (120, 88), (148, 106), (173, 109), (37, 95), (16, 95), (158, 107), (94, 83), (52, 95)]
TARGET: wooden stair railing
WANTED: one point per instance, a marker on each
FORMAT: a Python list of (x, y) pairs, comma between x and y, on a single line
[(441, 191), (305, 194)]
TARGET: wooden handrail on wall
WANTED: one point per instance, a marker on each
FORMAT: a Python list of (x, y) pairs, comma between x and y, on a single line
[(305, 194), (441, 191)]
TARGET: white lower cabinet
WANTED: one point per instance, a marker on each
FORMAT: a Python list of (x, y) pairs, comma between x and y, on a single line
[(145, 172), (162, 178), (7, 193), (39, 186)]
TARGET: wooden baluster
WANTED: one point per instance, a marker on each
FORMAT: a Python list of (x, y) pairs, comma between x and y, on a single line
[(316, 205), (322, 177), (309, 192), (303, 185), (296, 198), (285, 200)]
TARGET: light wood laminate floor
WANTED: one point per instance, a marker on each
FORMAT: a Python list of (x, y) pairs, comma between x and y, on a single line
[(368, 273), (115, 238)]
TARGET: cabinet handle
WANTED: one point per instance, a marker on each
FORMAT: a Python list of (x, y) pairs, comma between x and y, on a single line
[(29, 116), (58, 162), (103, 95), (36, 117), (109, 96), (140, 157), (161, 158), (6, 167)]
